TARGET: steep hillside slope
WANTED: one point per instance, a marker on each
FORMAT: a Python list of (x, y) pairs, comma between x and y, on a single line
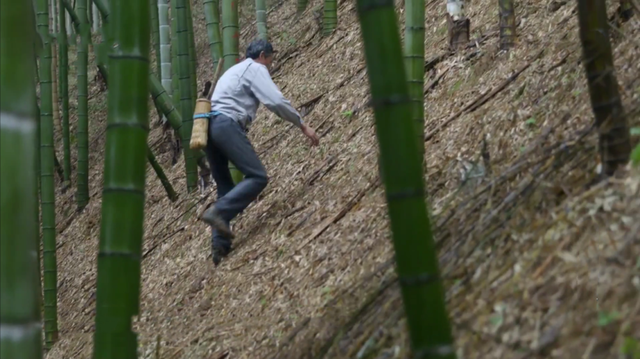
[(534, 262)]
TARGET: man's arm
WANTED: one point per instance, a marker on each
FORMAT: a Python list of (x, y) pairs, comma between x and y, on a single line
[(268, 93)]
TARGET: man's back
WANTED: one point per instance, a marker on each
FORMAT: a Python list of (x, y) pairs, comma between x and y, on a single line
[(243, 87), (232, 95)]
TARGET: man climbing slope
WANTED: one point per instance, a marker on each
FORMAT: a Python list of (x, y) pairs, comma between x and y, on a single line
[(235, 101)]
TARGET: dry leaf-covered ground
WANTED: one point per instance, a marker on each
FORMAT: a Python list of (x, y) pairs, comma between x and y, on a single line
[(536, 263)]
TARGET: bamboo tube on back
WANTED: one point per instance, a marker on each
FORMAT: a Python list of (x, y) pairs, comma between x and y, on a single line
[(199, 134)]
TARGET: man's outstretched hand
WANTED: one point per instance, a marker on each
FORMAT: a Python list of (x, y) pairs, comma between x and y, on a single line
[(311, 134)]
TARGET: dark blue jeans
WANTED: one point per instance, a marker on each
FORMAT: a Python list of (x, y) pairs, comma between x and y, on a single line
[(228, 142)]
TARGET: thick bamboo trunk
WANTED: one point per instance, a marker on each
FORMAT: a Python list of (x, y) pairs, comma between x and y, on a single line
[(231, 53), (118, 283), (64, 92), (230, 34), (186, 102), (36, 247), (330, 19), (212, 17), (414, 63), (193, 56), (507, 24), (107, 41), (19, 309), (402, 174), (165, 47), (175, 82), (82, 128), (47, 180), (603, 85), (155, 39), (54, 17), (67, 23), (261, 19), (95, 23), (54, 88)]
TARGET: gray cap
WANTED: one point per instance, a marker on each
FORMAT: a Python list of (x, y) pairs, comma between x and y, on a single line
[(257, 46)]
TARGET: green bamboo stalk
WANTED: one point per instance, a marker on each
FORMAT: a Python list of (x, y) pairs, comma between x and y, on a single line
[(193, 56), (68, 23), (123, 196), (72, 14), (82, 130), (107, 41), (37, 107), (20, 328), (47, 180), (330, 19), (402, 174), (212, 17), (36, 248), (414, 63), (615, 146), (155, 37), (95, 17), (73, 39), (164, 103), (103, 8), (507, 24), (231, 53), (261, 19), (54, 17), (302, 5), (54, 87), (186, 102), (63, 91), (90, 15), (175, 81), (230, 34), (165, 47), (171, 193), (175, 66)]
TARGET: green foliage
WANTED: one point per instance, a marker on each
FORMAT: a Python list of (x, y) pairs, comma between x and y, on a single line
[(606, 318), (455, 86), (630, 348), (635, 156)]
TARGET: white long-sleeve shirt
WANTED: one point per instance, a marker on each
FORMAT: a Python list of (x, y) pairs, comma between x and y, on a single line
[(242, 88)]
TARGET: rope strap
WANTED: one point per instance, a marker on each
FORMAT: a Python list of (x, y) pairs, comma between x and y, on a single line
[(206, 115)]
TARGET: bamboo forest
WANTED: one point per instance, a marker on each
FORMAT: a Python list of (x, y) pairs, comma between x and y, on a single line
[(475, 193)]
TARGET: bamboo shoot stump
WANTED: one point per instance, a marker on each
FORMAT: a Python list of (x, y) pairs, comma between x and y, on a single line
[(458, 32)]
